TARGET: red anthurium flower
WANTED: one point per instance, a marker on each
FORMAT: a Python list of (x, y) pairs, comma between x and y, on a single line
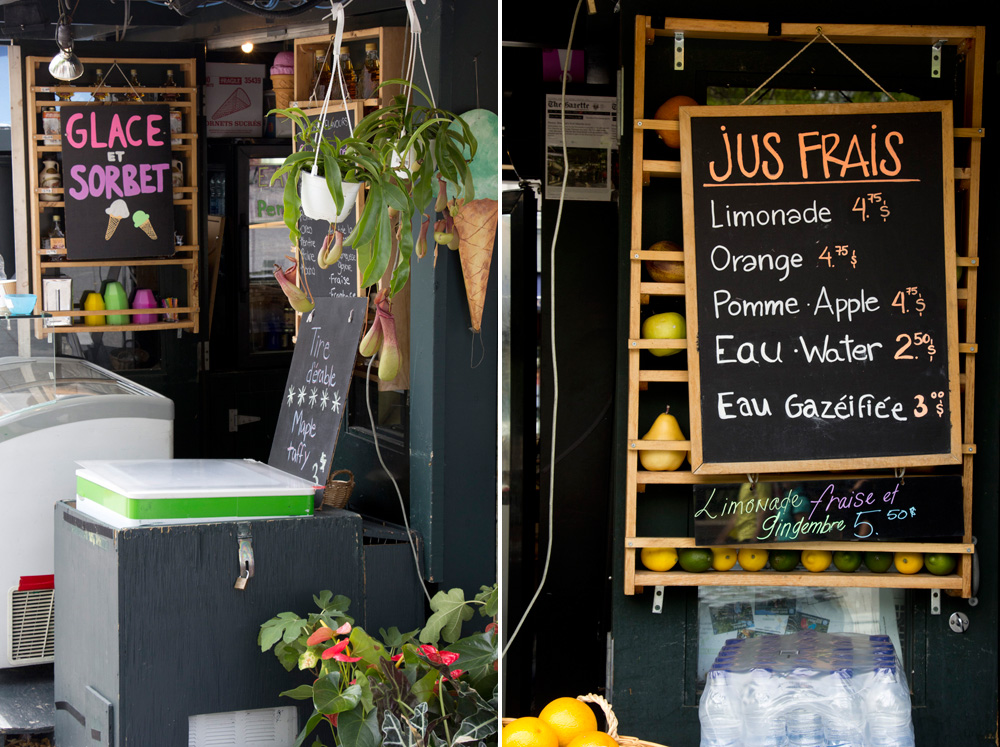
[(397, 657), (337, 652), (454, 673), (343, 629), (332, 718), (492, 628), (439, 657), (321, 634)]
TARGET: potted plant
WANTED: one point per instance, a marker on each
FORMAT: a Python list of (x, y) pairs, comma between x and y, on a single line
[(398, 688), (403, 153)]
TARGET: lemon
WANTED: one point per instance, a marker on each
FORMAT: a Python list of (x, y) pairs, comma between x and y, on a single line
[(528, 731), (658, 558), (723, 558), (752, 559), (908, 562), (568, 718), (816, 561), (593, 739)]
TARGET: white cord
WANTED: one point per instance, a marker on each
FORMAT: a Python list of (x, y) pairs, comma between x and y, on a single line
[(552, 336), (399, 494)]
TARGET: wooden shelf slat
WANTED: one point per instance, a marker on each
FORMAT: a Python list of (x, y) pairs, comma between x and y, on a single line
[(657, 344), (646, 374), (958, 548), (861, 579), (663, 289)]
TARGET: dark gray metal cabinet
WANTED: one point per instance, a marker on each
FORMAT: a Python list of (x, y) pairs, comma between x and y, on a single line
[(150, 631)]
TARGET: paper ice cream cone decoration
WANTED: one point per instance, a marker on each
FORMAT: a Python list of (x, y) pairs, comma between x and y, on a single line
[(283, 85), (476, 224), (141, 220), (116, 212), (238, 101)]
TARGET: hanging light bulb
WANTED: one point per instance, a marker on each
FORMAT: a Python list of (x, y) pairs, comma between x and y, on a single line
[(65, 65), (247, 47)]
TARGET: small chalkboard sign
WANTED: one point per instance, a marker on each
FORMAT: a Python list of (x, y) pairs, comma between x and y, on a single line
[(341, 278), (316, 390), (823, 303), (117, 181), (870, 510)]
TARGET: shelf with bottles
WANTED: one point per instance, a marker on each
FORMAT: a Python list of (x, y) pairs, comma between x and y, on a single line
[(389, 43), (126, 79)]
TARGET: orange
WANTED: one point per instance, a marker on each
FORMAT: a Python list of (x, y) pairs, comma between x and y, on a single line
[(593, 739), (669, 110), (569, 718), (908, 562), (528, 731)]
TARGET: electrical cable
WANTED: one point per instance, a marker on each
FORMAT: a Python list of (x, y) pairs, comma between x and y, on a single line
[(399, 494), (552, 336)]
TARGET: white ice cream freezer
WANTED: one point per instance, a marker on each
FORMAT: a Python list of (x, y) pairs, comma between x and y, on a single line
[(53, 413)]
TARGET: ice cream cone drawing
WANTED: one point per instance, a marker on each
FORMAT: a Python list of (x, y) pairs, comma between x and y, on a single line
[(237, 102), (116, 212), (141, 220)]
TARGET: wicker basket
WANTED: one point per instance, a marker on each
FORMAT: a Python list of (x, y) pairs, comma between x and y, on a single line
[(612, 723), (338, 491)]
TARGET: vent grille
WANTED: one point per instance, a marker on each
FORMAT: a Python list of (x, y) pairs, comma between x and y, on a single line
[(32, 626), (267, 727)]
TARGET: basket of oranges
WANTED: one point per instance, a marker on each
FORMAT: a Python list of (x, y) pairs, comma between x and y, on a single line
[(568, 722)]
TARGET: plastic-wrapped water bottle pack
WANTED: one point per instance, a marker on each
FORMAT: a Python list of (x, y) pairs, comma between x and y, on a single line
[(806, 689)]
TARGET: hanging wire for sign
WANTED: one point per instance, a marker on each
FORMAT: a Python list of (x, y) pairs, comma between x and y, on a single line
[(819, 35)]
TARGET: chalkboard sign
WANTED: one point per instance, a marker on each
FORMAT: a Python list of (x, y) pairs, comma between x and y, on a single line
[(341, 278), (316, 391), (823, 300), (871, 510), (117, 182)]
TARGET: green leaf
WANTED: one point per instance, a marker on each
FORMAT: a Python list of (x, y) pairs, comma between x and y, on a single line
[(477, 652), (357, 730), (490, 597), (323, 599), (328, 699), (395, 196), (476, 727), (302, 692), (288, 654), (331, 171), (450, 611), (311, 724), (369, 649), (270, 633), (293, 206), (423, 688)]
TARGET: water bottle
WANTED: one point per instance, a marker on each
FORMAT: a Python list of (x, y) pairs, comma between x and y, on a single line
[(844, 721), (763, 724), (887, 706), (805, 728), (718, 713)]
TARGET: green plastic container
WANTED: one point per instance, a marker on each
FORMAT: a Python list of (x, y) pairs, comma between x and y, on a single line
[(115, 298)]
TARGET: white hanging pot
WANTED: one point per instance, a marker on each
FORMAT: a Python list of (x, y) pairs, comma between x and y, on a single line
[(317, 200)]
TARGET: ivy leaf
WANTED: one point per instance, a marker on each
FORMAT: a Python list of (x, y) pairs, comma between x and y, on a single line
[(450, 611), (476, 727), (489, 596)]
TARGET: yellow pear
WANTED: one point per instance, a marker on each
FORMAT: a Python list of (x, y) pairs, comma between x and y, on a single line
[(665, 428)]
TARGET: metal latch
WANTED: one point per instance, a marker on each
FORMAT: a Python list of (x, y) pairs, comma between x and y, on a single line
[(245, 556), (678, 50)]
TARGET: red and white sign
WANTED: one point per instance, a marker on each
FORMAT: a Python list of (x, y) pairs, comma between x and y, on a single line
[(234, 99)]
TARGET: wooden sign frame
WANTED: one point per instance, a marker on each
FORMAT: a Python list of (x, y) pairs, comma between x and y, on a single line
[(809, 184)]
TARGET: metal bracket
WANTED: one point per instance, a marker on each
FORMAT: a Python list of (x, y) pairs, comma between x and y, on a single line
[(657, 600), (678, 50), (935, 601), (236, 420), (936, 58)]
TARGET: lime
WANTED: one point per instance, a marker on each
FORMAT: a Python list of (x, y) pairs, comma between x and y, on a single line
[(752, 559), (940, 563), (908, 562), (658, 558), (878, 562), (784, 560), (847, 561), (695, 559), (816, 561), (723, 558)]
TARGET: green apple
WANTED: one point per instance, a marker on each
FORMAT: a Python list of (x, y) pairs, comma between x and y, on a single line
[(667, 326), (878, 562), (940, 563), (847, 561)]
